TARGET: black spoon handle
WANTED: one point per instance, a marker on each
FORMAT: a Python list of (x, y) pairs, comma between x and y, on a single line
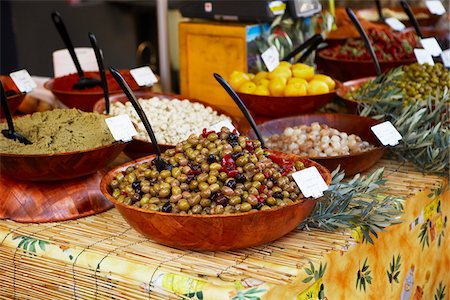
[(379, 9), (101, 69), (311, 48), (306, 44), (6, 110), (411, 17), (364, 36), (240, 104), (127, 90), (59, 24)]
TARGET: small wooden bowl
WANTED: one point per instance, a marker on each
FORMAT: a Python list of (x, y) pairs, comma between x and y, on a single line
[(61, 166), (83, 100), (277, 107), (349, 86), (214, 232), (351, 124), (14, 100), (139, 147)]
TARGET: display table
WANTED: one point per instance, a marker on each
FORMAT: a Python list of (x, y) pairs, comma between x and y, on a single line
[(102, 257)]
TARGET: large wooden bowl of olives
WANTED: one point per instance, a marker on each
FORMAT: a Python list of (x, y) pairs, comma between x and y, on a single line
[(230, 194)]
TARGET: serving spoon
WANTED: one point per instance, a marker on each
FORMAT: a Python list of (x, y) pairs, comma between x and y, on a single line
[(10, 133), (101, 69), (241, 106), (160, 163), (83, 82), (364, 36), (312, 43), (411, 17), (380, 11)]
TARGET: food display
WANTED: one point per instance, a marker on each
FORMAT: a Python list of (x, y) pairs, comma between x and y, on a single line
[(316, 140), (57, 131), (65, 83), (285, 80), (388, 46), (211, 173), (409, 83), (372, 15), (172, 120)]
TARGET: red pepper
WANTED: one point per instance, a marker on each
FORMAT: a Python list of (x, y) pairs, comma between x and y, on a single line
[(261, 189), (249, 146), (260, 199), (232, 173)]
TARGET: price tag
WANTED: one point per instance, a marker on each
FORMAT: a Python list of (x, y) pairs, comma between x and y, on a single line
[(271, 58), (423, 57), (144, 76), (63, 64), (445, 55), (310, 182), (225, 123), (395, 24), (435, 7), (386, 133), (432, 46), (23, 81), (121, 127)]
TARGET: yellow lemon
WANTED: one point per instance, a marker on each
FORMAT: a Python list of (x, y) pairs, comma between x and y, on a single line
[(295, 89), (262, 90), (276, 86), (284, 64), (247, 87), (260, 75), (300, 66), (280, 71), (237, 78), (297, 80), (327, 79), (263, 82), (316, 87), (251, 76), (305, 73)]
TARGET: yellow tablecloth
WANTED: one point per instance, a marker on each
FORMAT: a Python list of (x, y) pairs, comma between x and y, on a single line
[(102, 257)]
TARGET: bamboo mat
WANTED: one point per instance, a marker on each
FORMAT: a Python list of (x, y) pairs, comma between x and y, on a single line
[(110, 260)]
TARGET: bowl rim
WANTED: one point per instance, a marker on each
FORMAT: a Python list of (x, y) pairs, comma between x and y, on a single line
[(104, 187), (352, 83), (352, 61), (380, 147)]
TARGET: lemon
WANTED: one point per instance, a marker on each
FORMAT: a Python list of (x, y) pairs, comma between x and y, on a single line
[(284, 64), (277, 85), (280, 71), (251, 76), (295, 89), (297, 80), (316, 87), (327, 79), (262, 90), (260, 75), (237, 78), (305, 73), (300, 66), (247, 87), (263, 82)]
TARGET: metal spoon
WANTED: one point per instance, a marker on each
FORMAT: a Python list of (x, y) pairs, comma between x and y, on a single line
[(160, 163), (241, 106), (411, 17), (10, 133), (83, 82), (364, 36), (101, 69), (380, 11), (312, 42)]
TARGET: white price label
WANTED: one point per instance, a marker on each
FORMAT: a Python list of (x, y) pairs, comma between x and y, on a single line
[(121, 127), (271, 58), (144, 76), (23, 81), (435, 7), (310, 182), (224, 123), (432, 46), (386, 133), (445, 55), (63, 64), (395, 24), (423, 57)]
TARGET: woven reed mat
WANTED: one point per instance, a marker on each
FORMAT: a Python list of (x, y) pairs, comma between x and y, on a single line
[(102, 257)]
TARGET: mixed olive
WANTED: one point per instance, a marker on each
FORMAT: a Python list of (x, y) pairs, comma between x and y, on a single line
[(211, 173)]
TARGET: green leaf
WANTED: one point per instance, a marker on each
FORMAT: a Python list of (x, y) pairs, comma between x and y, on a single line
[(307, 279), (308, 271), (42, 245)]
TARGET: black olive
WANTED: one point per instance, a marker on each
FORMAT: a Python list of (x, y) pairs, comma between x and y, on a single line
[(136, 185), (221, 199), (214, 196), (167, 207), (231, 184), (260, 204), (236, 155), (232, 137), (136, 197), (240, 178), (277, 195), (212, 158)]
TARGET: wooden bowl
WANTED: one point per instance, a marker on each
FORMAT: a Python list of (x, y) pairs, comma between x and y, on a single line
[(139, 147), (85, 100), (61, 166), (430, 20), (277, 107), (15, 98), (214, 232), (349, 86), (351, 124)]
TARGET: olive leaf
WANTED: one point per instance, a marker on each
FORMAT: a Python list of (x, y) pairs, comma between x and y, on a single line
[(394, 269), (363, 276), (440, 292)]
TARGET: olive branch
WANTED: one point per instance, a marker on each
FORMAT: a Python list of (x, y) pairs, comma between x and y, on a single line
[(394, 269), (363, 276)]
